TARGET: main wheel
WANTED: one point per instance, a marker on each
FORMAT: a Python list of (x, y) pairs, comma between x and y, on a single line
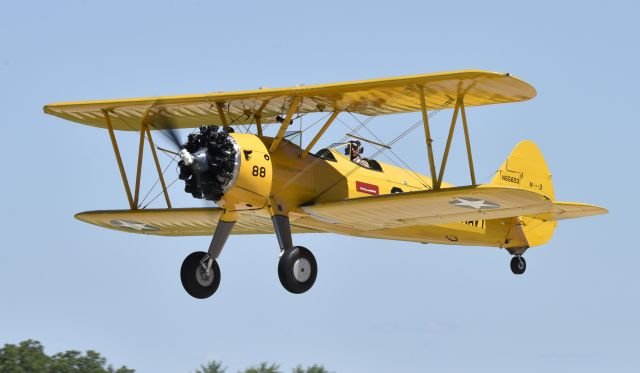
[(297, 269), (518, 265), (195, 279)]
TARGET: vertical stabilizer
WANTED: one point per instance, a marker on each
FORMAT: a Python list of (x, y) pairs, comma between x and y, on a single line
[(526, 168)]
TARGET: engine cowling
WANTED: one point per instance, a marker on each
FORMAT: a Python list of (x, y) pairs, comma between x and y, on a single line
[(232, 169)]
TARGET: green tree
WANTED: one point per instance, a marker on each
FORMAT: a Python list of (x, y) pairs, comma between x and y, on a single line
[(212, 367), (26, 357), (264, 367), (29, 357), (315, 368)]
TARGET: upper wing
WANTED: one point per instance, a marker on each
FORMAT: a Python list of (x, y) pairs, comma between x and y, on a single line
[(177, 222), (440, 207), (367, 97)]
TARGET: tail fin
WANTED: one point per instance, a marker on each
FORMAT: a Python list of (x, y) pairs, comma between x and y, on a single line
[(526, 168)]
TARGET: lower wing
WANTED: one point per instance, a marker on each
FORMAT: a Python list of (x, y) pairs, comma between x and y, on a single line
[(445, 206), (178, 222)]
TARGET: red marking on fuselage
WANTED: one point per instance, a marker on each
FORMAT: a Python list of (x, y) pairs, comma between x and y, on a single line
[(367, 188)]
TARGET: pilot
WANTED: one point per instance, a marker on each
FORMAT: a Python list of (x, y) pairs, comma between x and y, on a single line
[(355, 149)]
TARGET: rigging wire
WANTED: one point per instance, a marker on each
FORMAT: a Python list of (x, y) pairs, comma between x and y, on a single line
[(311, 164), (396, 139), (249, 126), (157, 180), (316, 122), (407, 169), (318, 159), (161, 192), (344, 138), (173, 159)]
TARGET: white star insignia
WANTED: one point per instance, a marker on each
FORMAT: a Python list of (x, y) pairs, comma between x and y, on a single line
[(128, 224), (474, 203)]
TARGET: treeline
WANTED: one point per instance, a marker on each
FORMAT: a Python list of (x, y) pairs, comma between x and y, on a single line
[(216, 367), (29, 357)]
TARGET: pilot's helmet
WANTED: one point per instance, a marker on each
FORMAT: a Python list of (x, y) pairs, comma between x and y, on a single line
[(354, 144)]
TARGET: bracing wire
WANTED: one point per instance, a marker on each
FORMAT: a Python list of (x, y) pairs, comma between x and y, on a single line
[(395, 140), (407, 169), (161, 192), (316, 160), (173, 159), (344, 138)]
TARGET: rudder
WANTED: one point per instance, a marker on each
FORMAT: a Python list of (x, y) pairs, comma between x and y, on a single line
[(526, 168)]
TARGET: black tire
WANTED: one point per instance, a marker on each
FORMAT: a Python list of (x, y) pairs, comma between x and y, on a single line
[(297, 269), (190, 272), (518, 265)]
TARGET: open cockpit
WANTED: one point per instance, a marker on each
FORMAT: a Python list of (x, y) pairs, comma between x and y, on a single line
[(351, 150)]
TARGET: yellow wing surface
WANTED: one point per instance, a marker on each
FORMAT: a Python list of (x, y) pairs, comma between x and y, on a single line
[(178, 222), (425, 208), (367, 97)]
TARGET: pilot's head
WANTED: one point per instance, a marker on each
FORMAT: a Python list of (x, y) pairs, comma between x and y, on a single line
[(355, 148)]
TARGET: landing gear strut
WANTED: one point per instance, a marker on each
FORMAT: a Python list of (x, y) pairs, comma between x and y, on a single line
[(518, 265), (297, 267), (200, 273)]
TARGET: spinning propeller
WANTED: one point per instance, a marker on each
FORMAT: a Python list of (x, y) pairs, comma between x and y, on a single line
[(209, 159)]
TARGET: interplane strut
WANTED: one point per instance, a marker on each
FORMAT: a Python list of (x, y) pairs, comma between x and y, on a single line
[(459, 109), (144, 130)]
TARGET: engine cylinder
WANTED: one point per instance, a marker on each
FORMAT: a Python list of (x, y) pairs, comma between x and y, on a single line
[(210, 163)]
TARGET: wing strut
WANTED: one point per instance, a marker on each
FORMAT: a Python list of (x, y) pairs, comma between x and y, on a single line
[(123, 174), (223, 119), (447, 147), (427, 133), (466, 140), (144, 129), (136, 196), (319, 134), (459, 109), (285, 123), (157, 162), (258, 116)]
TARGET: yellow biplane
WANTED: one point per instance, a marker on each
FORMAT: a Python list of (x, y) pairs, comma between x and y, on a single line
[(267, 184)]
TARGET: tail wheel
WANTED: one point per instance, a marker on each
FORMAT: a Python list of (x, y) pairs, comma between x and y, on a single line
[(518, 265), (196, 279), (297, 269)]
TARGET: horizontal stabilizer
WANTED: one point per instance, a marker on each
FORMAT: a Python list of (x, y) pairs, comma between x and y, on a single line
[(571, 210)]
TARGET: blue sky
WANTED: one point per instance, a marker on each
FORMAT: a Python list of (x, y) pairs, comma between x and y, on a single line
[(377, 306)]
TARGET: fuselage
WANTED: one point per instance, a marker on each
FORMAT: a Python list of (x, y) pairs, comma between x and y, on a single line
[(281, 181)]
